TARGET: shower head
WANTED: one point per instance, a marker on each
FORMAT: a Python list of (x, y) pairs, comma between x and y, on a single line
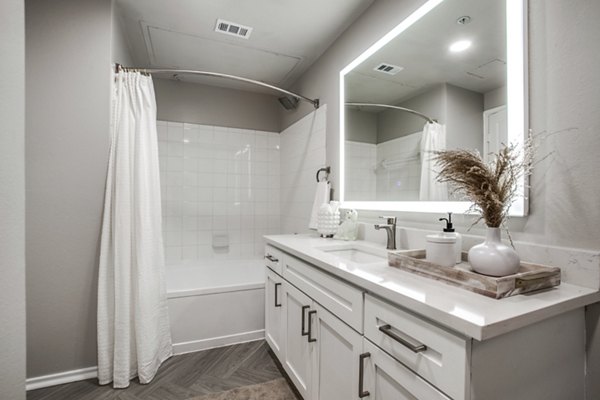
[(289, 102)]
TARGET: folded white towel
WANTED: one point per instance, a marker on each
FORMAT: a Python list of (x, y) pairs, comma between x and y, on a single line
[(321, 197)]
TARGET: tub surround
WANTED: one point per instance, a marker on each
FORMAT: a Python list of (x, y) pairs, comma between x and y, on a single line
[(220, 190), (467, 313), (199, 295)]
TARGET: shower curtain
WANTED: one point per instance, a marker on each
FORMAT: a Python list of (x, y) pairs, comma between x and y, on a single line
[(433, 139), (133, 322)]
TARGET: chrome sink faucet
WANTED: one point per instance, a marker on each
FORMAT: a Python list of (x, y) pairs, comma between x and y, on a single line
[(390, 228)]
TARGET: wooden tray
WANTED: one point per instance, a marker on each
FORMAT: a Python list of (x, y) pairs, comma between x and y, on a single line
[(529, 278)]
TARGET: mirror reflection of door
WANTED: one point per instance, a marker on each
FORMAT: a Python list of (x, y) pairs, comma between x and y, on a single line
[(495, 133)]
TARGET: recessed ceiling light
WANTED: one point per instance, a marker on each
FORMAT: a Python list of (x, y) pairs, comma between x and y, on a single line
[(461, 45)]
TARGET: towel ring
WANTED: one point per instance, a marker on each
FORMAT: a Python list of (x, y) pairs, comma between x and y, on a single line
[(327, 170)]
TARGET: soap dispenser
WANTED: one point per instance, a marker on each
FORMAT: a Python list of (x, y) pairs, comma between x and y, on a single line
[(450, 232)]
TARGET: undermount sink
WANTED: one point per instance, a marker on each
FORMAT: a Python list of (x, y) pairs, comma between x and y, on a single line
[(356, 253)]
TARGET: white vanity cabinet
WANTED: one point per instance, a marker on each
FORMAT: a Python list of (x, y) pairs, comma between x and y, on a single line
[(297, 342), (337, 351), (339, 341), (439, 356), (274, 311), (318, 351), (384, 378)]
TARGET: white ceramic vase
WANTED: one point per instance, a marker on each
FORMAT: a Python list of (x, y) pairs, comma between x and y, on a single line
[(493, 257)]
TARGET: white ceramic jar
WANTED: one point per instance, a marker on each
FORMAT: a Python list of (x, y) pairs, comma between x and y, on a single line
[(328, 219), (440, 250)]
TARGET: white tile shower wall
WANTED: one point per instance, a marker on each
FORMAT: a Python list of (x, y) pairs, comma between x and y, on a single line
[(220, 190), (361, 161), (302, 154)]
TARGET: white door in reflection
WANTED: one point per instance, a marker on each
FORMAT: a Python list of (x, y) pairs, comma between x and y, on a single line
[(495, 133)]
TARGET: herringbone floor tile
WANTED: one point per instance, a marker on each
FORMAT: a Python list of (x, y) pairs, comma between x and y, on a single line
[(182, 377)]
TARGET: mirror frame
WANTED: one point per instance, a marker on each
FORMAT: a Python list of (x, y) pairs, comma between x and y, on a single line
[(517, 110)]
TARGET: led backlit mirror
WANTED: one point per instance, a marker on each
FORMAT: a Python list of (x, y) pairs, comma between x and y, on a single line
[(451, 75)]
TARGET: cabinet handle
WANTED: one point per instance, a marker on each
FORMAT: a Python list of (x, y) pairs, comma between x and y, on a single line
[(414, 347), (304, 308), (361, 375), (310, 338), (271, 258), (276, 294)]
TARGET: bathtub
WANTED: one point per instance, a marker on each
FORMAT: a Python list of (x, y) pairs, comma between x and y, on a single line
[(215, 303)]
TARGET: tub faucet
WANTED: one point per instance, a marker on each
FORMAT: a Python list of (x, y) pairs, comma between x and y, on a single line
[(390, 228)]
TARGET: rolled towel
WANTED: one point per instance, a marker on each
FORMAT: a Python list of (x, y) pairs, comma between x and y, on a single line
[(321, 197)]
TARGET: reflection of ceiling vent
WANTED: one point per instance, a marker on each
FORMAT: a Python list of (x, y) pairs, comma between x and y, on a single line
[(388, 69), (233, 29)]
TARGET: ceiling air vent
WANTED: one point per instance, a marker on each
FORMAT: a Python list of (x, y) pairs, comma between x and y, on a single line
[(233, 29), (388, 69)]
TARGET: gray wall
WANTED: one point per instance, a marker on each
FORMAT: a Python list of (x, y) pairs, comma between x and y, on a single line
[(563, 85), (120, 51), (68, 52), (70, 48), (67, 57), (361, 126), (394, 124), (209, 105), (494, 98), (564, 65), (322, 79), (459, 109), (464, 118), (12, 200)]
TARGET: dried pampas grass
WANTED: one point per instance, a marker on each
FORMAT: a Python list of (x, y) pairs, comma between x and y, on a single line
[(491, 187)]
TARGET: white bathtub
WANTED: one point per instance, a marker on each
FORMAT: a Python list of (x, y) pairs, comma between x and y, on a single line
[(215, 303)]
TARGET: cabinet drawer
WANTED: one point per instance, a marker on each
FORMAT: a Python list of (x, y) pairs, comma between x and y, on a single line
[(274, 259), (439, 356), (342, 299), (387, 379)]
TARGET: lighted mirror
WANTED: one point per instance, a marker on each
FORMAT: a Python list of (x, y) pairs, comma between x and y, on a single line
[(451, 75)]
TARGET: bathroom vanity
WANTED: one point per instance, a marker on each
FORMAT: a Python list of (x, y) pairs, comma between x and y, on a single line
[(345, 325)]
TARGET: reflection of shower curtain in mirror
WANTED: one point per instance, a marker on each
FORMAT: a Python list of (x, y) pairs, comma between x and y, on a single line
[(434, 139)]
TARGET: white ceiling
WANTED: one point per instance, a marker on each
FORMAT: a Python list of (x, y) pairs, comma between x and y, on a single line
[(288, 36), (423, 52)]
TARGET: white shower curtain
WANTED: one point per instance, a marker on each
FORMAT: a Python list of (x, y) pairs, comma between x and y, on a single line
[(433, 139), (133, 322)]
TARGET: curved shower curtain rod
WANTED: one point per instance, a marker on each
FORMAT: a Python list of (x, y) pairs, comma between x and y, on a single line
[(430, 120), (314, 102)]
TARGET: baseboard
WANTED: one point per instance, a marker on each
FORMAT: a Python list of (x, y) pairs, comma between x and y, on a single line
[(178, 348), (205, 344), (61, 378)]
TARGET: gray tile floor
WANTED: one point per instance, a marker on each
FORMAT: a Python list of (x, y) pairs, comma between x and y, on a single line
[(182, 377)]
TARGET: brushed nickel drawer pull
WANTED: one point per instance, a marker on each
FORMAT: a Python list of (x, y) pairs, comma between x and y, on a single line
[(310, 314), (277, 294), (271, 258), (304, 308), (361, 375), (414, 347)]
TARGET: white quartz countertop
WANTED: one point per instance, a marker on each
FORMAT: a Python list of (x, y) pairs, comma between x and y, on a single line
[(465, 312)]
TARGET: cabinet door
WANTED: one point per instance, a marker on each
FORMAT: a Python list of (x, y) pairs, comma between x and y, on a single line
[(387, 379), (274, 312), (297, 351), (337, 353)]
